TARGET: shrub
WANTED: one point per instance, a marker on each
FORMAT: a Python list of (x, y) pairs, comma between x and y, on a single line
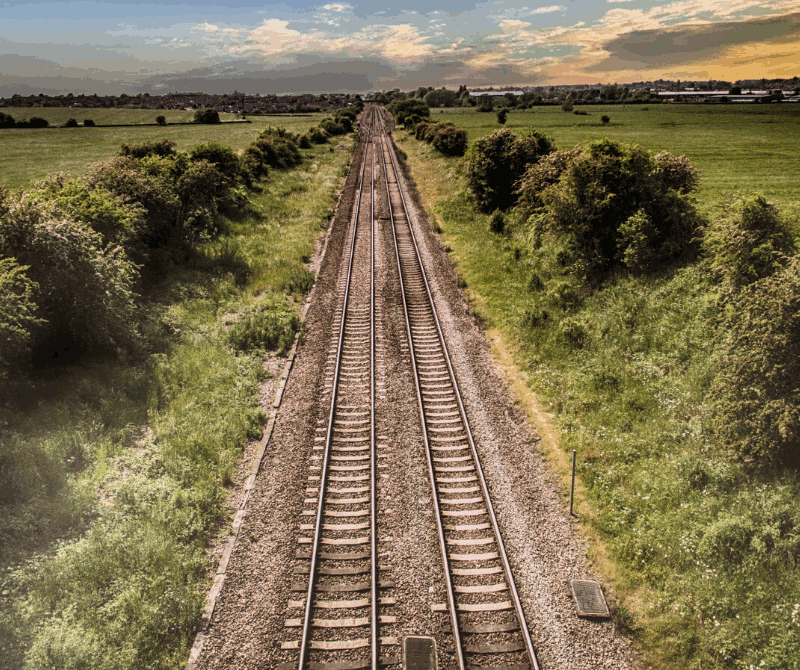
[(163, 147), (229, 165), (305, 142), (268, 325), (85, 290), (612, 206), (105, 213), (88, 123), (497, 222), (402, 109), (756, 396), (332, 127), (33, 122), (449, 140), (179, 196), (317, 136), (6, 120), (70, 123), (495, 163), (161, 120), (272, 149), (748, 243), (567, 106), (605, 119), (207, 115), (17, 312), (502, 116)]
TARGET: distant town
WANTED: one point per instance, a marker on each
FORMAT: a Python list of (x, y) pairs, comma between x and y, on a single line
[(646, 92)]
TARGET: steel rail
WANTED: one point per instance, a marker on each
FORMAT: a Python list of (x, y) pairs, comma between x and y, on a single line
[(304, 640), (484, 486), (459, 648), (372, 446)]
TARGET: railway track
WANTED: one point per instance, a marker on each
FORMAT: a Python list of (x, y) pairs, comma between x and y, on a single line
[(344, 617)]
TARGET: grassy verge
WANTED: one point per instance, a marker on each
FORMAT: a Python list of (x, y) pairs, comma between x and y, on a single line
[(30, 154), (703, 552), (726, 143), (122, 467)]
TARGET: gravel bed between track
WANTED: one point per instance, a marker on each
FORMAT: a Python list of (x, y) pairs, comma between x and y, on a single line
[(544, 549)]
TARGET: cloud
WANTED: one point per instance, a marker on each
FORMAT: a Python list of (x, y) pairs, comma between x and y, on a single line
[(551, 8), (401, 44), (337, 7)]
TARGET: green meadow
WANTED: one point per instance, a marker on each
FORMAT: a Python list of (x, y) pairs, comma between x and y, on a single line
[(753, 148), (121, 466), (699, 550), (32, 153)]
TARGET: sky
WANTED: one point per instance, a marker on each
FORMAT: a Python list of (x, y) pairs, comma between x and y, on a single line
[(296, 46)]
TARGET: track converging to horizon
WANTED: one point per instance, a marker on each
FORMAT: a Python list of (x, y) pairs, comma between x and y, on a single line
[(344, 614)]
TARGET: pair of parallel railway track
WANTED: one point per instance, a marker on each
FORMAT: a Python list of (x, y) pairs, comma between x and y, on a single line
[(347, 599)]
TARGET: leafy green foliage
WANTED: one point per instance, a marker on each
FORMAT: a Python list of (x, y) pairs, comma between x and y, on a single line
[(6, 120), (333, 128), (756, 396), (495, 163), (268, 325), (85, 289), (161, 148), (88, 123), (207, 115), (119, 223), (502, 116), (402, 109), (749, 242), (17, 313), (497, 222), (161, 120), (70, 123), (614, 204)]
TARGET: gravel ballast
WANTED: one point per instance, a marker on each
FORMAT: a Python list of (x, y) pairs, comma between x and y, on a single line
[(545, 552)]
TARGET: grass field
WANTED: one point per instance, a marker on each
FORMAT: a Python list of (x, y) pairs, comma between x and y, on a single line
[(30, 154), (702, 551), (103, 565), (747, 148)]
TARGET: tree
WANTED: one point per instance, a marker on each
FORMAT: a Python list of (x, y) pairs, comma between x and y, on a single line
[(161, 120), (207, 115), (88, 123), (402, 109), (502, 116), (605, 119), (497, 162)]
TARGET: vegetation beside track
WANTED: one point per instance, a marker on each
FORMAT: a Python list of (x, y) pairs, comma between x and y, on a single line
[(120, 463), (30, 154), (702, 545)]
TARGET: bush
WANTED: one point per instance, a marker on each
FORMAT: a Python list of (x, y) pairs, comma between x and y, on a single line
[(228, 164), (497, 222), (6, 120), (85, 289), (567, 106), (268, 325), (495, 164), (605, 120), (613, 206), (33, 122), (449, 140), (317, 136), (305, 142), (402, 109), (748, 243), (17, 312), (162, 148), (502, 116), (179, 196), (161, 120), (332, 127), (272, 149), (70, 123), (105, 213), (756, 396), (207, 115), (88, 123)]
